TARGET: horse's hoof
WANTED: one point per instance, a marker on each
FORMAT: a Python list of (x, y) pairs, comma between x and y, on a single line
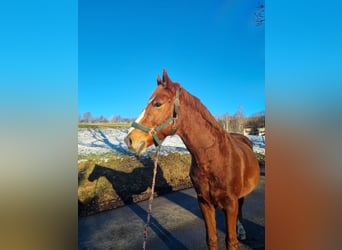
[(242, 236), (240, 231)]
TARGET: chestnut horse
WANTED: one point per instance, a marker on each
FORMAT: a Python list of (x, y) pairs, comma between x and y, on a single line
[(223, 169)]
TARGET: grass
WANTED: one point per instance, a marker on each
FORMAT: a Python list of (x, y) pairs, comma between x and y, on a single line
[(124, 179), (104, 125)]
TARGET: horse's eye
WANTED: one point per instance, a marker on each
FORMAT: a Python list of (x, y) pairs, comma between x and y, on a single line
[(157, 104)]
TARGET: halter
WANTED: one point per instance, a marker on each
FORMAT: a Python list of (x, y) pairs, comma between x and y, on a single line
[(153, 131)]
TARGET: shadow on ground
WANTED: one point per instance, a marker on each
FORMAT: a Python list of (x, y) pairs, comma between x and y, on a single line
[(140, 180)]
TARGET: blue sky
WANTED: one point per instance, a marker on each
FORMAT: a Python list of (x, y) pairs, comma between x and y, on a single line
[(212, 48)]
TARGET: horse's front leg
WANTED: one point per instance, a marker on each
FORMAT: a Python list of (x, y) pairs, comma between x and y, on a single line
[(231, 212), (208, 212)]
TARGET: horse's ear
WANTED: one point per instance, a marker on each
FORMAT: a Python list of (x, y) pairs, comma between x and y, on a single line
[(166, 82), (166, 78), (159, 81)]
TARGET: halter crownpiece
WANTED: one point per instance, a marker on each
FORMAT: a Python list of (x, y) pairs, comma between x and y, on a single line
[(153, 131)]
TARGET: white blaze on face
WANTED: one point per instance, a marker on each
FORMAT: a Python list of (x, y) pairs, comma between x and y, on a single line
[(142, 114), (137, 120), (151, 99)]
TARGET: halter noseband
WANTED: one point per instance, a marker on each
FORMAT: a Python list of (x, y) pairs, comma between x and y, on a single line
[(153, 131)]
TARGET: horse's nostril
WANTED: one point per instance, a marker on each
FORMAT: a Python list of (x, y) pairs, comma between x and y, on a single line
[(128, 141)]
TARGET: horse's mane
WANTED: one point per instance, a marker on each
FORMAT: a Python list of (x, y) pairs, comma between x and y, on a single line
[(197, 105)]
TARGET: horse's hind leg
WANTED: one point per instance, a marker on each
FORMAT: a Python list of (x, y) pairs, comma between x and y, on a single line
[(240, 230), (208, 212)]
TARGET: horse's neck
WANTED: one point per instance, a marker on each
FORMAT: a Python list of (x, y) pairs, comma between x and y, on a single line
[(199, 130)]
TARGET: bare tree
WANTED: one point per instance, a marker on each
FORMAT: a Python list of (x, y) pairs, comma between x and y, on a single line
[(127, 120), (233, 123), (87, 117), (115, 119), (255, 122), (239, 120), (239, 112), (102, 119), (260, 14)]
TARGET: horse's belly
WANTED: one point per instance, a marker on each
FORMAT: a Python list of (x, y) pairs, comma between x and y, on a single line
[(223, 184)]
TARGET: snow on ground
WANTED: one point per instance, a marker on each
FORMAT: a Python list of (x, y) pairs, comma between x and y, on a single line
[(258, 143), (110, 140)]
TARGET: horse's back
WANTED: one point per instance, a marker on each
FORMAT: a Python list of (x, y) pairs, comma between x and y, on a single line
[(242, 138)]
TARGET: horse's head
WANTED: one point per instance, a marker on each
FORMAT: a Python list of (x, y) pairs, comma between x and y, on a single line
[(96, 173), (158, 119)]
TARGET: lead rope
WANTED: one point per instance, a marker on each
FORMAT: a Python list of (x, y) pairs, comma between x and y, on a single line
[(151, 198)]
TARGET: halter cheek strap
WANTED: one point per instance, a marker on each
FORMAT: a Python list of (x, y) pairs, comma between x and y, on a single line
[(153, 131)]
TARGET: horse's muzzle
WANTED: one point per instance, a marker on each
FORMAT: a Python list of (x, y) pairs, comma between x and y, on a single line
[(137, 148)]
